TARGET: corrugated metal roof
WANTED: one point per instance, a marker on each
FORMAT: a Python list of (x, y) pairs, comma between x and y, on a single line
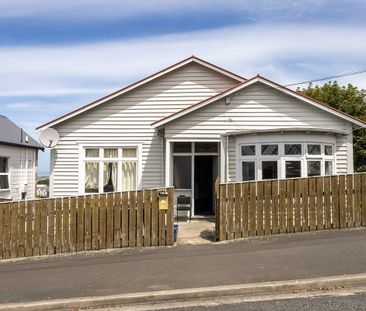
[(11, 134)]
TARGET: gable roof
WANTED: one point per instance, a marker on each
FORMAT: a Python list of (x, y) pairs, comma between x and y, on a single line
[(11, 134), (270, 83), (191, 59)]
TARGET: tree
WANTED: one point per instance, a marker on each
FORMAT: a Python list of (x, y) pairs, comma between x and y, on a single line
[(350, 100)]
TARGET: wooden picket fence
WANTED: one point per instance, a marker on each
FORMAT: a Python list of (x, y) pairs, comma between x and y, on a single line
[(83, 223), (291, 205)]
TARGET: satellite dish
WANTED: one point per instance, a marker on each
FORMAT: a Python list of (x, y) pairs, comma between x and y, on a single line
[(49, 138)]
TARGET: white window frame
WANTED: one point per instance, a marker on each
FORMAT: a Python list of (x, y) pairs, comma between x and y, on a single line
[(101, 160), (281, 158), (7, 173)]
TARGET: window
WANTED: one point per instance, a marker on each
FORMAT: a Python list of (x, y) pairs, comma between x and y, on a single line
[(206, 147), (293, 149), (269, 149), (91, 177), (182, 147), (287, 159), (91, 153), (111, 153), (328, 150), (248, 171), (248, 150), (293, 169), (328, 168), (110, 169), (4, 174), (182, 172), (314, 149), (269, 169), (129, 176), (314, 168)]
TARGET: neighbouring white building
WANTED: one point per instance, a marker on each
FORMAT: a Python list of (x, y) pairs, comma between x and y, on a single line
[(190, 123), (18, 162)]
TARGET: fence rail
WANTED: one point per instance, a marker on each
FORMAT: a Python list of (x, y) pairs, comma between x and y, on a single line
[(291, 205), (82, 223)]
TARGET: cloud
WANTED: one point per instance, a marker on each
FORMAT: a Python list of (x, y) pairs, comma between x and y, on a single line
[(265, 10), (286, 53)]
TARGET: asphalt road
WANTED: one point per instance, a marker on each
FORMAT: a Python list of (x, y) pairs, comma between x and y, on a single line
[(272, 258)]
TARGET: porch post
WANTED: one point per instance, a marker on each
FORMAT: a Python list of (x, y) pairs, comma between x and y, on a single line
[(167, 163), (223, 158)]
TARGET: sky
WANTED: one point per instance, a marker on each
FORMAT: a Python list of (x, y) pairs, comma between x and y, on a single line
[(58, 55)]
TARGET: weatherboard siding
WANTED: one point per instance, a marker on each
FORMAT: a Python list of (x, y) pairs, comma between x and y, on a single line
[(19, 175), (260, 107), (127, 120)]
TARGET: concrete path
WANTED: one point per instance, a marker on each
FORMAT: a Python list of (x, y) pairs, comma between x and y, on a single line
[(273, 258), (198, 231)]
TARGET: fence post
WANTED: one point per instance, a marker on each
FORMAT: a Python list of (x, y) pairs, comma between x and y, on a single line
[(357, 201), (363, 199), (170, 218), (342, 203), (222, 212)]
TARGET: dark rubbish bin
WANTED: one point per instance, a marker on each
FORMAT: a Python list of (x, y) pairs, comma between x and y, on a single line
[(175, 232)]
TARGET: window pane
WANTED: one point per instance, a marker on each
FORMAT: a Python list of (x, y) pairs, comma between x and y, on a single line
[(328, 150), (269, 149), (129, 177), (314, 149), (269, 169), (248, 150), (111, 153), (182, 172), (3, 165), (91, 153), (206, 147), (248, 171), (293, 169), (328, 167), (129, 152), (182, 147), (110, 177), (91, 177), (4, 182), (292, 149), (314, 168)]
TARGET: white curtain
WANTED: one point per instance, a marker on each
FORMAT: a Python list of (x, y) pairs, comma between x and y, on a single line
[(91, 176), (110, 177), (91, 153), (129, 152), (128, 176), (110, 153)]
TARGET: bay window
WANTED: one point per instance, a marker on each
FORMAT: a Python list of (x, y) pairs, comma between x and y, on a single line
[(4, 174), (284, 160), (110, 169)]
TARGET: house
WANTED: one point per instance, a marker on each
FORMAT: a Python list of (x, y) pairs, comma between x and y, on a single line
[(190, 123), (18, 162)]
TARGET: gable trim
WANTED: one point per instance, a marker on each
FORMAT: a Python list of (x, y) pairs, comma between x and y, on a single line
[(258, 78), (139, 83)]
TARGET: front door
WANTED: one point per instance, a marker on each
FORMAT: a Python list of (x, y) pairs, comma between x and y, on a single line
[(205, 174)]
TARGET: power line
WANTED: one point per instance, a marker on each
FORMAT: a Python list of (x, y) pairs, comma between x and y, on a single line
[(329, 78)]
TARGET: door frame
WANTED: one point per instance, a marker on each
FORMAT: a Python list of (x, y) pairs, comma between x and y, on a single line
[(169, 162)]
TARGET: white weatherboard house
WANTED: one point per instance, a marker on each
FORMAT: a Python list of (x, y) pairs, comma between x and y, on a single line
[(18, 162), (190, 123)]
